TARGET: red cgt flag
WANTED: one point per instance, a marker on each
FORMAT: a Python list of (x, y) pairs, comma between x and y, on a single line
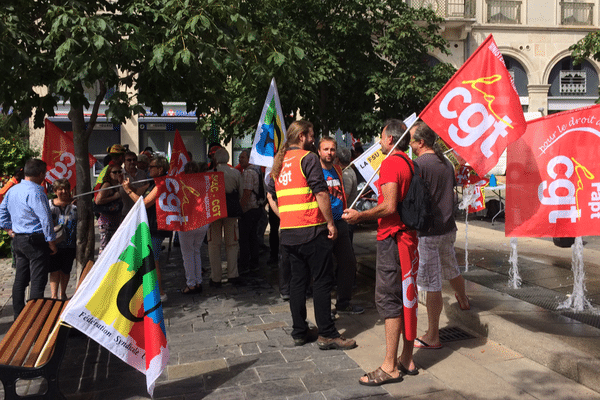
[(189, 201), (478, 112), (553, 177), (179, 156), (59, 153)]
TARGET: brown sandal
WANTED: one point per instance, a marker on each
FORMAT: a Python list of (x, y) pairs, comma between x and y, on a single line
[(379, 377), (189, 290)]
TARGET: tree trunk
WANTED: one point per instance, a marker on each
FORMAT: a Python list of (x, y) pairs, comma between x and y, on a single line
[(85, 215), (323, 98)]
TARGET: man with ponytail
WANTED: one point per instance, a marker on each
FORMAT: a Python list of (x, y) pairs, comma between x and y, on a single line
[(297, 192), (437, 259)]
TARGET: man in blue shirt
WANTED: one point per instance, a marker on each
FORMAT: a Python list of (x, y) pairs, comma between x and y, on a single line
[(25, 214), (342, 246)]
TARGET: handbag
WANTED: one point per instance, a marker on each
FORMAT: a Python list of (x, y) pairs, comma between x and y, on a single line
[(60, 232), (112, 208)]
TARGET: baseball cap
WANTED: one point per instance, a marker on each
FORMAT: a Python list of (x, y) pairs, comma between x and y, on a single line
[(213, 150), (117, 148)]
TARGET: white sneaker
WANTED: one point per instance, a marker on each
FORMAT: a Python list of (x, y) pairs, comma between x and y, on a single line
[(163, 297)]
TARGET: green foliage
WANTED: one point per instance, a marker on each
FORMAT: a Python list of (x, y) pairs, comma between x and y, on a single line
[(5, 242), (14, 147), (587, 47), (344, 65)]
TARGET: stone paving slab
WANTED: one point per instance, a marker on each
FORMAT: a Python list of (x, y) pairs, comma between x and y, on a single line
[(235, 343)]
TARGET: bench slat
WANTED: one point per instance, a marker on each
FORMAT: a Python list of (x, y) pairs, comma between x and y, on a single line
[(16, 334), (33, 334), (86, 270), (51, 321)]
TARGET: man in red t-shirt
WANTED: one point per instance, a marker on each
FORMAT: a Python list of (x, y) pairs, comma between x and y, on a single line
[(397, 259)]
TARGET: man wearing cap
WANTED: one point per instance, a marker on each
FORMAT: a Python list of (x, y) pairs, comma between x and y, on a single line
[(211, 156)]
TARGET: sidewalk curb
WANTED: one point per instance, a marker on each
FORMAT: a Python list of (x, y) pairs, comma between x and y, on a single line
[(541, 347)]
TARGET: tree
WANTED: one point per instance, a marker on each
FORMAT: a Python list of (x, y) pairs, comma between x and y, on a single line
[(14, 152), (145, 51), (344, 64), (587, 47)]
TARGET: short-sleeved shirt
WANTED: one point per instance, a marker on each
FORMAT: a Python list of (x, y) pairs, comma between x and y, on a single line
[(311, 166), (350, 185), (334, 184), (251, 178), (393, 169), (440, 176), (233, 178)]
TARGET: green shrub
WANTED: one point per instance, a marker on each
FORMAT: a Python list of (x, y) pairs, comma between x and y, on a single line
[(14, 151)]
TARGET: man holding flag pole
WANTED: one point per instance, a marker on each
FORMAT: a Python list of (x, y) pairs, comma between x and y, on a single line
[(397, 259)]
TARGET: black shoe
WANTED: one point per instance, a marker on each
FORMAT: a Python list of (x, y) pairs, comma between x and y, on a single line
[(214, 284), (237, 281), (350, 309), (310, 337), (285, 297)]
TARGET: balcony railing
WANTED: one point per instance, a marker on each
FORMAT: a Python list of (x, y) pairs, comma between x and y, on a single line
[(573, 13), (503, 12), (447, 8), (573, 83)]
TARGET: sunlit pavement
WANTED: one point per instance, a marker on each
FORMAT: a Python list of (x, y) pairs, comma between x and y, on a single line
[(234, 343)]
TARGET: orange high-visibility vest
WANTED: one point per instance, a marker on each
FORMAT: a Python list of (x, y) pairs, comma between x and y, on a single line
[(298, 207)]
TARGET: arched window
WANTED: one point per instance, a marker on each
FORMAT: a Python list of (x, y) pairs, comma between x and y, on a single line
[(567, 79), (518, 74)]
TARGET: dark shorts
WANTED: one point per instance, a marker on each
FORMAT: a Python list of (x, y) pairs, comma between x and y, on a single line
[(62, 260), (388, 279)]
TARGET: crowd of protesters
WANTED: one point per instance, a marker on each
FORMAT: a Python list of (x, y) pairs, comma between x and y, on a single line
[(307, 193)]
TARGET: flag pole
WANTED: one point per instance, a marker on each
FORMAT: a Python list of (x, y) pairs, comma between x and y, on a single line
[(386, 156), (111, 187)]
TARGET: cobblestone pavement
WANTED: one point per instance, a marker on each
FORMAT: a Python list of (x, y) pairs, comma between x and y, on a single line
[(234, 343)]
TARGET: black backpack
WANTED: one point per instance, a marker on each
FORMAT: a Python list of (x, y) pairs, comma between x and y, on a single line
[(415, 209)]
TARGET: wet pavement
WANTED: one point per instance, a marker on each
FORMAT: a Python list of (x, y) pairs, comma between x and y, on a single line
[(234, 342)]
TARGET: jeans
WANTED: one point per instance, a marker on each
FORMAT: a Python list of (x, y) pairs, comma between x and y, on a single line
[(273, 234), (311, 259), (346, 264), (32, 255), (249, 244)]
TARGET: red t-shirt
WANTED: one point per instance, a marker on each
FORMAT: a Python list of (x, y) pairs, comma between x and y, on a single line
[(393, 169)]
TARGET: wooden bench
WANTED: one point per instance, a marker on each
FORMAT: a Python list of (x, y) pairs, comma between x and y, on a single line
[(29, 350)]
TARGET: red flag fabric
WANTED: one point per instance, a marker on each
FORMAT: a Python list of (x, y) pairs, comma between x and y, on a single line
[(189, 201), (479, 203), (478, 112), (465, 175), (59, 153), (553, 177), (179, 156)]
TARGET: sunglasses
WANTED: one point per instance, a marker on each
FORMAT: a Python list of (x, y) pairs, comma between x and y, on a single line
[(116, 172)]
